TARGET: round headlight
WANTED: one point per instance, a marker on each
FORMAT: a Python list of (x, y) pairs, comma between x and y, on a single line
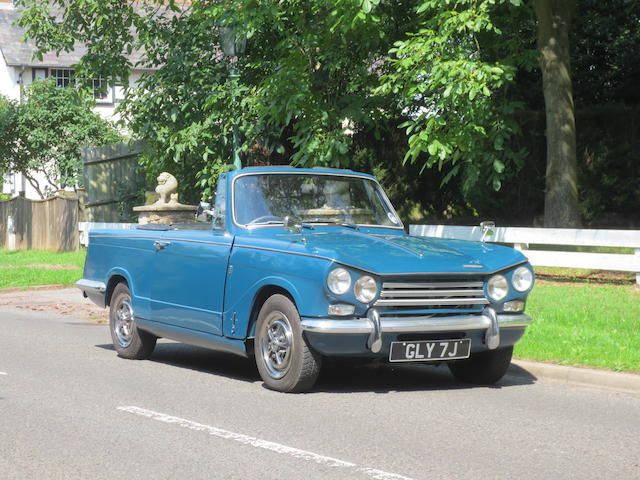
[(497, 287), (522, 279), (339, 281), (365, 289)]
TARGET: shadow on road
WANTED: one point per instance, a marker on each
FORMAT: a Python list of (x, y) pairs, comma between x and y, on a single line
[(382, 377), (337, 376), (202, 360)]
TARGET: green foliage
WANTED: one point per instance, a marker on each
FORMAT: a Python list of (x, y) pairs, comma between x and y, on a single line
[(604, 42), (44, 133), (453, 91), (308, 89)]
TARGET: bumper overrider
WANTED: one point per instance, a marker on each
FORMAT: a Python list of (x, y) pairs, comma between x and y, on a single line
[(488, 330)]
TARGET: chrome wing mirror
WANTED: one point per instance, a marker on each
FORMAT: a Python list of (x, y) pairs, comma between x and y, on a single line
[(488, 230)]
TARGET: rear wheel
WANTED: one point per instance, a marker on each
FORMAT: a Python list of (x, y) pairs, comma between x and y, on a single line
[(128, 340), (484, 368), (284, 359)]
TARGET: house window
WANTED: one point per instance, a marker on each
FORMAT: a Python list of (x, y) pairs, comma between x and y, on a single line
[(62, 76), (38, 74), (101, 90)]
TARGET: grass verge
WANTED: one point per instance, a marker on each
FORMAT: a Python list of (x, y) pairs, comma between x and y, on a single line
[(582, 323), (25, 268)]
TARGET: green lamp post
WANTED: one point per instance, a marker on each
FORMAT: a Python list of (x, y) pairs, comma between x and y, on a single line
[(233, 46)]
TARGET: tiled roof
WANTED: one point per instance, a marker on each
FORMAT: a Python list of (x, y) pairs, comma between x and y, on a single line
[(18, 53)]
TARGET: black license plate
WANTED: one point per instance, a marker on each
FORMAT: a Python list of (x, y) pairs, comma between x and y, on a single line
[(430, 351)]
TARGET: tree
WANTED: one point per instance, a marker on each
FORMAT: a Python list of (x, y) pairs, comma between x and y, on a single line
[(7, 135), (41, 137), (317, 79), (451, 79), (561, 195)]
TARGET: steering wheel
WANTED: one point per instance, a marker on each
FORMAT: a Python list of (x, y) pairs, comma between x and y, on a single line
[(265, 218)]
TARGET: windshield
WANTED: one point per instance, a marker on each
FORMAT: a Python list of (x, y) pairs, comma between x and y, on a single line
[(266, 199)]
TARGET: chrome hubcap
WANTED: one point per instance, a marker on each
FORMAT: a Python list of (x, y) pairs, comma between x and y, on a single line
[(276, 344), (123, 325)]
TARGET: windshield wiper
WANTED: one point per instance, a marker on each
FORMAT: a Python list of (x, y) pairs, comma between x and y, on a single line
[(331, 222)]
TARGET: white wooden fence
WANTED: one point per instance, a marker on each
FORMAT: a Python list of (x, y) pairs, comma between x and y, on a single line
[(521, 238), (84, 228)]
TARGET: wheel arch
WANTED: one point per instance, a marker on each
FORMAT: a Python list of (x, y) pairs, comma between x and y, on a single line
[(115, 279), (261, 296)]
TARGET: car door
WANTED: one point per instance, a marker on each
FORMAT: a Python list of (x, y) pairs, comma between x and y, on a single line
[(189, 279)]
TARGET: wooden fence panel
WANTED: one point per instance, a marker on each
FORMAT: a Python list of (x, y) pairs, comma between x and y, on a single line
[(112, 180), (50, 224)]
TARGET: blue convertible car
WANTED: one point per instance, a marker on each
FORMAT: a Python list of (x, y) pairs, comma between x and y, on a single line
[(302, 264)]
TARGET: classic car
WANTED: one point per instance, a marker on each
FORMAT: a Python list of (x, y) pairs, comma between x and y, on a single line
[(297, 265)]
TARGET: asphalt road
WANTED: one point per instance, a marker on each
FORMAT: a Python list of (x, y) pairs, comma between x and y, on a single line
[(71, 409)]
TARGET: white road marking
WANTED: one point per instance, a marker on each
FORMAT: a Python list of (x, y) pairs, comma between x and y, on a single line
[(3, 373), (265, 444)]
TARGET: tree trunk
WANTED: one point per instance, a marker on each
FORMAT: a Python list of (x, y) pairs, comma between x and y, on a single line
[(561, 195)]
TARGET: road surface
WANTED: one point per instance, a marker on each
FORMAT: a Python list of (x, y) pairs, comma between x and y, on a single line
[(71, 409)]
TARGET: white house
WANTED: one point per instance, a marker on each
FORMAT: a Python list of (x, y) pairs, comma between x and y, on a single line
[(18, 69)]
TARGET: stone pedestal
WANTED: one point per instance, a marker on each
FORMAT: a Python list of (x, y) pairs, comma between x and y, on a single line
[(166, 209), (165, 214)]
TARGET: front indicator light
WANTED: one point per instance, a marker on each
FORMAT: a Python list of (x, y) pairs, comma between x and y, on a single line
[(513, 306), (341, 309), (365, 289), (497, 287)]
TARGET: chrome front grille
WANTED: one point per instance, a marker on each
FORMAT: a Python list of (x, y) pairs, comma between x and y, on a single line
[(432, 295)]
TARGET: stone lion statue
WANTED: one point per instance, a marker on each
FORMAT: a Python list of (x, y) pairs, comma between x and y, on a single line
[(167, 189)]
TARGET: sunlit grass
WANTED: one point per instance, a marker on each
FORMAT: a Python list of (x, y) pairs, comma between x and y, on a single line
[(584, 324), (24, 268)]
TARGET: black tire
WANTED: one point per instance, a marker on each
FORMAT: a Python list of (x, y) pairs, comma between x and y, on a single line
[(128, 340), (484, 368), (284, 359)]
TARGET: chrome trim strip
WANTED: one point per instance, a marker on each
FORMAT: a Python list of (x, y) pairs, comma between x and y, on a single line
[(435, 324), (129, 237), (199, 241), (416, 302), (91, 286), (326, 325), (387, 285), (303, 172), (429, 293), (514, 320)]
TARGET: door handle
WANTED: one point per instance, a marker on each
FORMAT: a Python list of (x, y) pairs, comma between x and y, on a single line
[(161, 245)]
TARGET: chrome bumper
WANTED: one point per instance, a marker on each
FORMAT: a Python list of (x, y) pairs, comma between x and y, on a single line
[(375, 326), (93, 290)]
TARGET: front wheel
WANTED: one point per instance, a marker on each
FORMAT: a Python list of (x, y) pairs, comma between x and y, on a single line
[(128, 340), (284, 359), (484, 368)]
